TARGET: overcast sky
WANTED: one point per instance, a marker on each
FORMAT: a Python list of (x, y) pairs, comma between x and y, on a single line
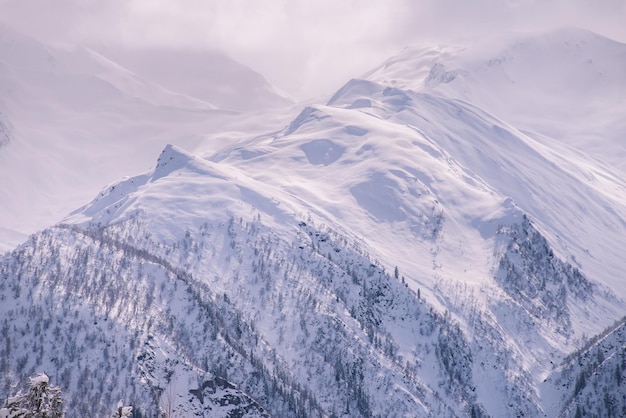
[(305, 47)]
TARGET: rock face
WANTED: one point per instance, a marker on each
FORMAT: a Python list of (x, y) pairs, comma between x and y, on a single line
[(219, 398)]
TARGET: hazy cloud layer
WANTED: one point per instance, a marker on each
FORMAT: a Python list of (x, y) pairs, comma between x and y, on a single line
[(305, 47)]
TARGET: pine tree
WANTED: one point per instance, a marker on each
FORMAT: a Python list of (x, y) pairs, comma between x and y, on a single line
[(41, 401)]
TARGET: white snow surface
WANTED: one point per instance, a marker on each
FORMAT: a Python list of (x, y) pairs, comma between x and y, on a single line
[(41, 378)]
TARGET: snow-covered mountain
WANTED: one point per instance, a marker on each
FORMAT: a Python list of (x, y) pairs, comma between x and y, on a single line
[(567, 85), (398, 251), (72, 120)]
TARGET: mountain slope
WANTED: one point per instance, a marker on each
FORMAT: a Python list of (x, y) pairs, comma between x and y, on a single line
[(319, 295), (544, 180), (591, 380), (310, 333)]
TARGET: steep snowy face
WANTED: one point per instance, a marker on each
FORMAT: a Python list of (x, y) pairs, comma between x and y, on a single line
[(381, 158), (567, 84)]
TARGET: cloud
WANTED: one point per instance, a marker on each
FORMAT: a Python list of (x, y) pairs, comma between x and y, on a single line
[(306, 47), (457, 18)]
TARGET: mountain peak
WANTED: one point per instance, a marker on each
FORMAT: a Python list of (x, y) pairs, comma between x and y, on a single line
[(172, 158)]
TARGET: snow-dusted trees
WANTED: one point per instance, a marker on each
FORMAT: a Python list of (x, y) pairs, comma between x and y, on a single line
[(122, 411), (44, 401), (40, 401)]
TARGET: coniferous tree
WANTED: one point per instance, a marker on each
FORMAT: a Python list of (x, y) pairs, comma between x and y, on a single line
[(40, 401)]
